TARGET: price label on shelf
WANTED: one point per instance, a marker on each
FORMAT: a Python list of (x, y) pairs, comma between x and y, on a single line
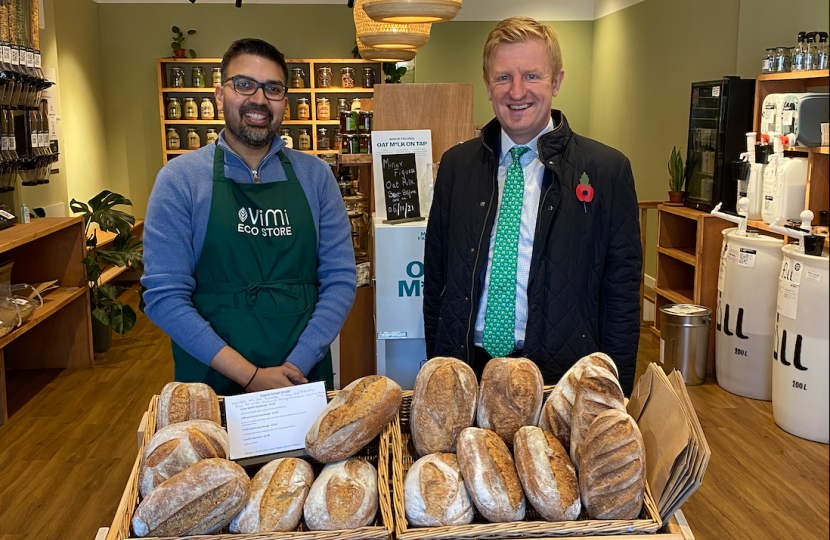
[(15, 57), (7, 54), (37, 60), (34, 140), (30, 59)]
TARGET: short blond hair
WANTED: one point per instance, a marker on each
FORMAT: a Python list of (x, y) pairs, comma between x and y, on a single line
[(519, 30)]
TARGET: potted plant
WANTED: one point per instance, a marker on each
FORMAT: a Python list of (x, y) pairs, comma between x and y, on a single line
[(179, 39), (677, 177), (108, 313)]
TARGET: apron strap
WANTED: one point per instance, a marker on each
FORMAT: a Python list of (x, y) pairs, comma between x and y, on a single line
[(218, 162), (288, 167), (252, 289)]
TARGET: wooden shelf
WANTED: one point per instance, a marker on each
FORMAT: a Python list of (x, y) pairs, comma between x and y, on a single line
[(808, 149), (355, 159), (686, 255), (52, 302), (187, 90), (18, 235), (795, 75), (194, 122), (678, 297), (337, 90)]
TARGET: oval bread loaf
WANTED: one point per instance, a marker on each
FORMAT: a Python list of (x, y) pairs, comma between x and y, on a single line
[(558, 410), (180, 402), (612, 478), (490, 476), (598, 391), (443, 405), (278, 495), (511, 396), (344, 496), (201, 499), (547, 474), (353, 418), (435, 494), (178, 446)]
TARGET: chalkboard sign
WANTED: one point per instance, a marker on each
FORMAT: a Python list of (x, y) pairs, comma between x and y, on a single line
[(400, 186)]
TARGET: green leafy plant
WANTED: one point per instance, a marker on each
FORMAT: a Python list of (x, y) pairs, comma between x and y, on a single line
[(179, 39), (677, 175), (127, 251), (393, 73)]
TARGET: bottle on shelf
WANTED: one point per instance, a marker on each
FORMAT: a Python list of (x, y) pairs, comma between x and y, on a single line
[(305, 140), (211, 136), (197, 77), (303, 109), (323, 109), (174, 141), (285, 135), (799, 60), (190, 109), (206, 110), (194, 142)]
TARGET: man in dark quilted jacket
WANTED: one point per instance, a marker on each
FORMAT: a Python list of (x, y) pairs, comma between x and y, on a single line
[(533, 240)]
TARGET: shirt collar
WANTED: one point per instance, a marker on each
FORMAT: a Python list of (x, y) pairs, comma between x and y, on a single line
[(276, 145), (507, 144)]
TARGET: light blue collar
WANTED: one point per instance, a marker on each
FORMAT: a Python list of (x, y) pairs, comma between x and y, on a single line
[(507, 143)]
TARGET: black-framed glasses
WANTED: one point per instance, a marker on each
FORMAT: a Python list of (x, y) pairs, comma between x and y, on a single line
[(248, 87)]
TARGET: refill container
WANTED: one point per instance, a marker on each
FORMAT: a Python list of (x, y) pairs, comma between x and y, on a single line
[(684, 343), (802, 115), (755, 186), (771, 114), (785, 185)]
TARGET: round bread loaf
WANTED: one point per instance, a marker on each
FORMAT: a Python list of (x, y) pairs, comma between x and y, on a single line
[(201, 499), (178, 446), (598, 391), (547, 474), (344, 496), (558, 410), (435, 494), (612, 477), (512, 393), (490, 476), (278, 495), (180, 402), (353, 418), (443, 404)]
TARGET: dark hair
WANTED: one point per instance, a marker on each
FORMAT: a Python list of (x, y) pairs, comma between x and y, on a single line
[(256, 47)]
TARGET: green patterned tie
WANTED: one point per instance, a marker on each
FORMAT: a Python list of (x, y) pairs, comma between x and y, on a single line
[(500, 317)]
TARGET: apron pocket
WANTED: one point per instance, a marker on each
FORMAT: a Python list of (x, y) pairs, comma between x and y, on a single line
[(263, 338)]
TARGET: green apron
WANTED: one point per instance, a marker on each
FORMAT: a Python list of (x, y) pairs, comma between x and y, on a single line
[(256, 279)]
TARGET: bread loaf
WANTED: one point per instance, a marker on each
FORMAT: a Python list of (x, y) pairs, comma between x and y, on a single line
[(612, 477), (180, 402), (345, 496), (512, 392), (353, 418), (201, 499), (178, 446), (435, 494), (278, 495), (547, 474), (598, 391), (558, 409), (490, 476), (443, 405)]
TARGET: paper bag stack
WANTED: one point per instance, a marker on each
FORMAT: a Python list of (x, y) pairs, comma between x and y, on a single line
[(676, 450)]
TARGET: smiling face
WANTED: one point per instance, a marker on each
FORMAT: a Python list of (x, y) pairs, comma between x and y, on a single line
[(521, 83), (252, 121)]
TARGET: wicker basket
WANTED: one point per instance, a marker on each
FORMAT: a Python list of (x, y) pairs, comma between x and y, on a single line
[(532, 527), (377, 453)]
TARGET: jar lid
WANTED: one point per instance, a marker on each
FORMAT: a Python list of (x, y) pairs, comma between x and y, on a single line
[(189, 99), (368, 69), (172, 98), (211, 130), (347, 69), (303, 100), (297, 70), (216, 69), (192, 129), (199, 68), (364, 135), (350, 135), (205, 99), (171, 129)]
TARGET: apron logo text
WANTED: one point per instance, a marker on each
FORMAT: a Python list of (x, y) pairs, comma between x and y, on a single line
[(270, 223)]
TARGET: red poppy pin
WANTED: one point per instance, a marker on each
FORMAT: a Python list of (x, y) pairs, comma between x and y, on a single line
[(584, 191)]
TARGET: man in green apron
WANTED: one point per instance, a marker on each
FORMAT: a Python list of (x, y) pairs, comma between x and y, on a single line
[(249, 265)]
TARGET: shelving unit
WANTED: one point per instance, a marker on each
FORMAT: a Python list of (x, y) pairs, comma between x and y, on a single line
[(309, 66)]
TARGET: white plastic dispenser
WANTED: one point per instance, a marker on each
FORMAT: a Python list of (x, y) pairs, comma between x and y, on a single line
[(785, 184)]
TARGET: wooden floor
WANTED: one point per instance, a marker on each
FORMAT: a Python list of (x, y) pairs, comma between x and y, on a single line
[(70, 443)]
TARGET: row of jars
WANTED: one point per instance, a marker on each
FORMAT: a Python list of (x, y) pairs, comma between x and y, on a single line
[(198, 79), (323, 108), (325, 78), (350, 143), (193, 141), (189, 110)]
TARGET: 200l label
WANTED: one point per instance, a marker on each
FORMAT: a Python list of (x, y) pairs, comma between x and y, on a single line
[(800, 386)]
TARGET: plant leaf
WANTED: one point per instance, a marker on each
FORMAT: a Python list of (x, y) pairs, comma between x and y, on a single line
[(122, 318), (176, 29), (584, 179), (101, 315), (192, 53), (93, 269), (107, 291), (191, 32)]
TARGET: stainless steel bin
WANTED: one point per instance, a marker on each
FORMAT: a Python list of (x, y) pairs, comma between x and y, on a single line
[(684, 343)]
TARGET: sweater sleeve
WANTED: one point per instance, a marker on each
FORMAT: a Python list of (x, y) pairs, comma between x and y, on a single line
[(335, 271), (169, 266)]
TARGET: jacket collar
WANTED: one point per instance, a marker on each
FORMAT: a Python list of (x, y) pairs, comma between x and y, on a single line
[(549, 145)]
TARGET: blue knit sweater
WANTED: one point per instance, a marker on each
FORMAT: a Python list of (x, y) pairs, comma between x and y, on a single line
[(174, 233)]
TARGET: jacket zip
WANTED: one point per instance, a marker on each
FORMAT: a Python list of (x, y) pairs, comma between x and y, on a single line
[(254, 173)]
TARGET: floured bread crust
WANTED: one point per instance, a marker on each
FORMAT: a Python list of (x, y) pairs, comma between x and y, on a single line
[(344, 496), (180, 402), (435, 494), (278, 495), (512, 392)]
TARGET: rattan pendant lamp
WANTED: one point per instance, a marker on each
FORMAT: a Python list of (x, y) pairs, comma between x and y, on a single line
[(375, 35), (385, 55), (412, 11)]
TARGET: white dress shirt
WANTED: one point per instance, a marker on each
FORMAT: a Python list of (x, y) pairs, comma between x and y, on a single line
[(533, 170)]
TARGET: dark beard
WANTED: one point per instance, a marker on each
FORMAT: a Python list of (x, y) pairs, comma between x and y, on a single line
[(251, 137)]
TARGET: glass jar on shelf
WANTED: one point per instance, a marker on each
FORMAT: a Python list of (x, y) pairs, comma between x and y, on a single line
[(365, 143), (819, 59), (323, 140), (344, 183), (323, 109), (365, 121), (768, 61), (305, 139), (211, 136), (220, 114), (216, 74), (303, 109), (286, 115), (347, 77), (174, 141), (343, 105), (356, 104), (323, 77), (285, 135), (297, 78), (336, 139), (368, 77), (781, 63), (191, 110), (206, 110), (174, 108), (197, 77), (193, 139), (798, 58), (176, 77), (350, 144)]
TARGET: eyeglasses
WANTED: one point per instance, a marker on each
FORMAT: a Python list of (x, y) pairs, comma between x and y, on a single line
[(248, 87)]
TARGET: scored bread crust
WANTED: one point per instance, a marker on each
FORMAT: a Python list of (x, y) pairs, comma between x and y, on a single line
[(201, 499), (278, 495), (511, 396), (443, 404), (344, 496), (176, 447), (180, 402), (435, 494), (547, 474), (350, 421), (490, 476), (612, 478), (598, 391)]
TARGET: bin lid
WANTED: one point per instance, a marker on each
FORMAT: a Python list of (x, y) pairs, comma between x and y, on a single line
[(685, 309)]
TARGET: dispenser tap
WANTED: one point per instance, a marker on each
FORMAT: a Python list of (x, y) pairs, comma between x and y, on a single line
[(739, 218), (795, 232)]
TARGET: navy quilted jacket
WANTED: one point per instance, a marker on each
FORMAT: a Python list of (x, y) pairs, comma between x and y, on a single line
[(583, 292)]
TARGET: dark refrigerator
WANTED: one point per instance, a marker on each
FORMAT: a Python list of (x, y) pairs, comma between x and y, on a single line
[(720, 116)]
